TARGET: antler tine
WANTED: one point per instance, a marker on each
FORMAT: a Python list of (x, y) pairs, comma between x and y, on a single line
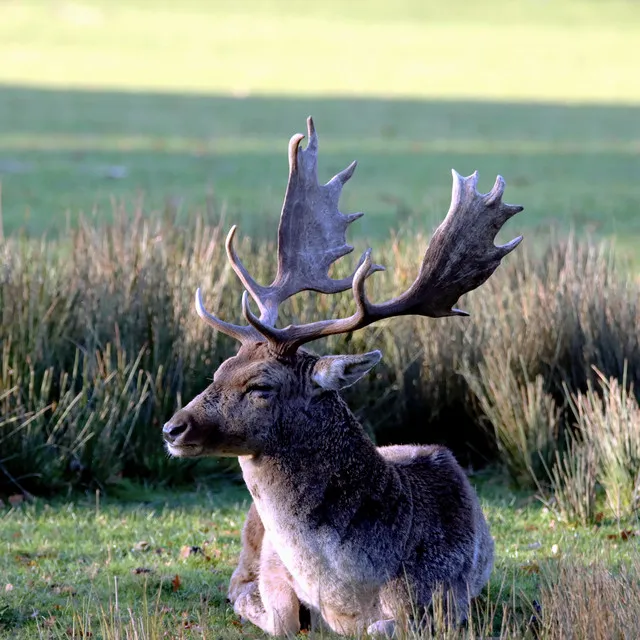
[(459, 258), (340, 179), (242, 334), (268, 314)]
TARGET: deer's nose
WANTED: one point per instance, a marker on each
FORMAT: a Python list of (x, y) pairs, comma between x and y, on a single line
[(172, 430)]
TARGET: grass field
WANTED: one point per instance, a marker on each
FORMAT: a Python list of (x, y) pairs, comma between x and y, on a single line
[(90, 564), (187, 107), (183, 106)]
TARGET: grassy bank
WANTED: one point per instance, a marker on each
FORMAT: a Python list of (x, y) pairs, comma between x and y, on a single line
[(157, 564)]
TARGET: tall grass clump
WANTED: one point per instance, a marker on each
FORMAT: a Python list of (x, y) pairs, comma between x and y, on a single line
[(97, 335), (524, 418), (608, 421), (573, 480), (63, 424), (602, 453), (100, 344)]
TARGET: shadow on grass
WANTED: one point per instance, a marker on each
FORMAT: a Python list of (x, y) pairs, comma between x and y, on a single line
[(572, 166)]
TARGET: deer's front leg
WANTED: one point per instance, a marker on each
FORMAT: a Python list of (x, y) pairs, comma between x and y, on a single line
[(270, 602), (260, 587), (245, 577), (281, 604), (244, 591)]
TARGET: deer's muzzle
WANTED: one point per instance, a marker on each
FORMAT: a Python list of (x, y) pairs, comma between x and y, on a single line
[(172, 431)]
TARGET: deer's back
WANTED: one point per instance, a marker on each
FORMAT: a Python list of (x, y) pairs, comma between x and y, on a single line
[(449, 538)]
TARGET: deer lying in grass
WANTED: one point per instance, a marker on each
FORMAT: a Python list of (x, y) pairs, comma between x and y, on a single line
[(359, 534)]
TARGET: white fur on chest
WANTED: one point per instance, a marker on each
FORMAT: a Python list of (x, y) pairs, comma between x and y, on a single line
[(323, 569)]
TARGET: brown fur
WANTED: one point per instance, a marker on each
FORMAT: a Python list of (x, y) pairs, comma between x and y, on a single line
[(359, 534)]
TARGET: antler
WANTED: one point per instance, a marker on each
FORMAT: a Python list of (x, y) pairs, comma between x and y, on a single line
[(311, 237), (459, 258)]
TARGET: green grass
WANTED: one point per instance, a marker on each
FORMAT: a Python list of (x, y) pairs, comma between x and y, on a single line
[(525, 50), (198, 102), (67, 559)]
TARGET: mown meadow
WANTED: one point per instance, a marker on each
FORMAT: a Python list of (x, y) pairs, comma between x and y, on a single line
[(132, 137)]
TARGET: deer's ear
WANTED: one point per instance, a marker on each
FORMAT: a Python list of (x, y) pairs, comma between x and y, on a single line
[(337, 372)]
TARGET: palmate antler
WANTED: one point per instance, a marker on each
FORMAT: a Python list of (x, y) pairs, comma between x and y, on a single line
[(459, 258), (311, 237)]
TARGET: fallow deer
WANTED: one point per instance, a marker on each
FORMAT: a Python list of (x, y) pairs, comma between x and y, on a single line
[(361, 535)]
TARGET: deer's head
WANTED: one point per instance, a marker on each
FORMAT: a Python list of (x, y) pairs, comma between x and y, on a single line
[(256, 397), (271, 379)]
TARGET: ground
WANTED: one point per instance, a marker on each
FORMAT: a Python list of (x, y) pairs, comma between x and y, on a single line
[(161, 560)]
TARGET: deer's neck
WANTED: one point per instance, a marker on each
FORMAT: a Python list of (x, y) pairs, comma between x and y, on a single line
[(320, 471)]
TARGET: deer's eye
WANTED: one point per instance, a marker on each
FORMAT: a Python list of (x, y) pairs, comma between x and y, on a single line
[(261, 391)]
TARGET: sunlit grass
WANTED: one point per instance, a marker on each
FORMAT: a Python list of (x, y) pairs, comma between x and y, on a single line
[(195, 101), (571, 168), (344, 144), (531, 51)]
